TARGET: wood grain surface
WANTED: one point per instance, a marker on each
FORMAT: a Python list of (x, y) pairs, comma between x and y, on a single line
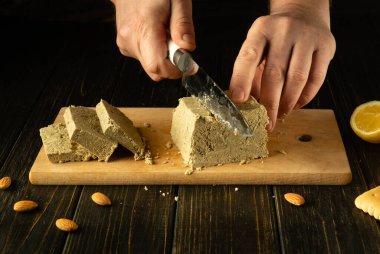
[(46, 66), (322, 160)]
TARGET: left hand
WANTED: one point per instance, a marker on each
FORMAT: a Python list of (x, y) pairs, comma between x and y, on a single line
[(284, 59)]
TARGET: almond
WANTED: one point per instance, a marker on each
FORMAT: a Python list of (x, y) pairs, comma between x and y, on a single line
[(24, 205), (5, 182), (100, 199), (66, 225), (294, 198)]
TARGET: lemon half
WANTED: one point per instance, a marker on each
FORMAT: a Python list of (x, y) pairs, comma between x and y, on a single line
[(365, 121)]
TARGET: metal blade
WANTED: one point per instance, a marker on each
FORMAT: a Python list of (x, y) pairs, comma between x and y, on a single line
[(201, 85)]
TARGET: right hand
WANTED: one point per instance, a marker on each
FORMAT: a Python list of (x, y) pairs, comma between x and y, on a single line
[(142, 27)]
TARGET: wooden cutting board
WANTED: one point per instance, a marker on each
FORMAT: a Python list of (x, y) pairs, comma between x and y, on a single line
[(322, 160)]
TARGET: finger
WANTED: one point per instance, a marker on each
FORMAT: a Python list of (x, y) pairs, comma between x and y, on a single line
[(153, 53), (181, 24), (318, 70), (256, 84), (296, 77), (273, 78), (245, 65)]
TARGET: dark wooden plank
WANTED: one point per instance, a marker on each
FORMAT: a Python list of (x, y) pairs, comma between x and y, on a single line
[(329, 221), (67, 85), (223, 219), (138, 221)]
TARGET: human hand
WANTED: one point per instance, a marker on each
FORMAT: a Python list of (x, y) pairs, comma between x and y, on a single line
[(142, 32), (284, 59)]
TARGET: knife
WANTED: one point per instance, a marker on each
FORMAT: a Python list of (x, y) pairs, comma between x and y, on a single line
[(199, 84)]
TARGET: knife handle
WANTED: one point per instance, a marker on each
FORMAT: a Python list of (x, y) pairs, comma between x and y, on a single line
[(179, 57)]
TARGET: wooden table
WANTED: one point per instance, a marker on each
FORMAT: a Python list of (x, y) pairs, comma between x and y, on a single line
[(48, 65)]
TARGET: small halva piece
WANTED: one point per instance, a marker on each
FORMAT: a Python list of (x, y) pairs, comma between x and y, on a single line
[(119, 128), (84, 128), (58, 146)]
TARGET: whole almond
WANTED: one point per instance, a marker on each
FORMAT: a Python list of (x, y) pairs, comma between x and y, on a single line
[(100, 199), (66, 225), (24, 205), (5, 182), (294, 199)]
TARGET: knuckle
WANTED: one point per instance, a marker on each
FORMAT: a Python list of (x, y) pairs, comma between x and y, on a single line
[(259, 22), (333, 44), (274, 73), (123, 52), (248, 54), (124, 32), (297, 77), (183, 21), (240, 77), (155, 78), (317, 78), (120, 43), (152, 68)]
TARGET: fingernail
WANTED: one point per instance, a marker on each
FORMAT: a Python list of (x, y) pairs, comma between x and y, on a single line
[(237, 94), (188, 38)]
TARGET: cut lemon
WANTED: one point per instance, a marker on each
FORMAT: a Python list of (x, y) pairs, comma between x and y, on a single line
[(365, 121)]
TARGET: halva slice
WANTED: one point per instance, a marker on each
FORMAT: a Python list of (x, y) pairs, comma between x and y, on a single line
[(84, 128), (58, 146), (203, 141), (119, 128)]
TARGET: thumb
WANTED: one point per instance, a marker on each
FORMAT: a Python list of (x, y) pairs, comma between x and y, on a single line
[(181, 24)]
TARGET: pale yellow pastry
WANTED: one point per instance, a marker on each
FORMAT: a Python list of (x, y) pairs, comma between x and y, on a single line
[(369, 202)]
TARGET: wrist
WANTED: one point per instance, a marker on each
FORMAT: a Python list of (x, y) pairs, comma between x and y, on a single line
[(302, 8)]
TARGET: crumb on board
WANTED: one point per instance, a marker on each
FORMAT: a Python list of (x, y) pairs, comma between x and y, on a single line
[(148, 161), (147, 125), (148, 158), (236, 189), (163, 194), (282, 151), (145, 188), (242, 162), (189, 171), (176, 198), (168, 145)]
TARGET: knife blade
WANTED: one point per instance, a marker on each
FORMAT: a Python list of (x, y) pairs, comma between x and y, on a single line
[(199, 84)]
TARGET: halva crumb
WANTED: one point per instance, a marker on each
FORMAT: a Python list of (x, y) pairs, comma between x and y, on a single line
[(168, 145), (242, 162), (189, 171)]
